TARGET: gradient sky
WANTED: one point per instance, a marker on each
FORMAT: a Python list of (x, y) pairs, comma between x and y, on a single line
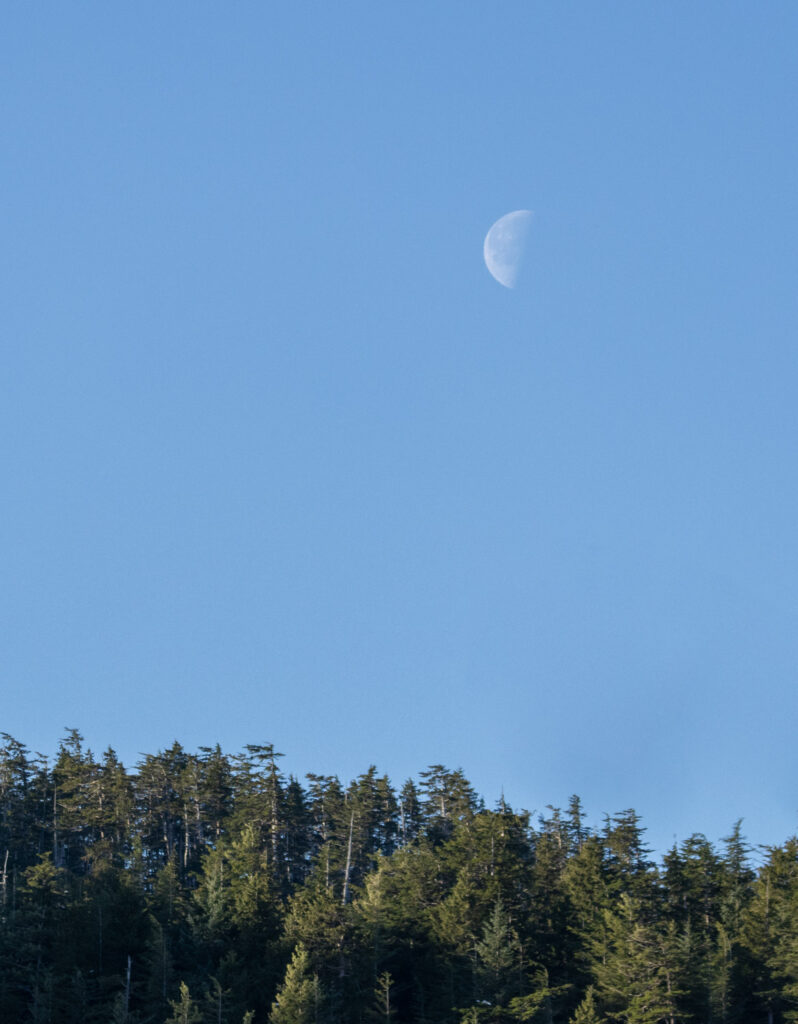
[(281, 462)]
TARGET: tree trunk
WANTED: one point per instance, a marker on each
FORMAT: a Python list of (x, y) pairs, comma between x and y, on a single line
[(5, 881), (348, 859), (55, 825), (127, 986)]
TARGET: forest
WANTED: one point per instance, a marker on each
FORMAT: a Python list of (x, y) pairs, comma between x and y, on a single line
[(211, 888)]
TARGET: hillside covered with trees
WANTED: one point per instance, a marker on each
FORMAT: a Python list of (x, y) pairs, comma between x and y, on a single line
[(208, 888)]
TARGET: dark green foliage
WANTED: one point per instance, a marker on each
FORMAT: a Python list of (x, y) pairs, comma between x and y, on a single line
[(213, 889)]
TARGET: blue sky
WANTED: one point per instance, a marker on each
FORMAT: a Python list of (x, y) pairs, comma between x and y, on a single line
[(283, 463)]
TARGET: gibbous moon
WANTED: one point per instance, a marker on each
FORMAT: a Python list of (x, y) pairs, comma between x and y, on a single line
[(505, 244)]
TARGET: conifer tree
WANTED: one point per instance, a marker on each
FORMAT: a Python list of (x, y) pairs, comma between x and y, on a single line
[(629, 869), (449, 799), (410, 815), (585, 884), (497, 954), (206, 868), (298, 1000), (216, 790), (383, 1011), (586, 1012), (297, 836), (184, 1009), (631, 968)]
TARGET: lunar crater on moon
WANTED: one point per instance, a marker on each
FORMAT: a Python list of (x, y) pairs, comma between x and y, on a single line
[(505, 244)]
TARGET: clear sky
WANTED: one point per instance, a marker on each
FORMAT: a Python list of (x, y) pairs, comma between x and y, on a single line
[(282, 462)]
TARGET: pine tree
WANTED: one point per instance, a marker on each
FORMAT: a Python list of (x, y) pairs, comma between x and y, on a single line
[(629, 869), (383, 1010), (393, 921), (297, 835), (410, 815), (184, 1009), (736, 880), (766, 931), (18, 815), (216, 1000), (162, 807), (585, 883), (298, 1000), (631, 968), (448, 800), (328, 826), (74, 818), (586, 1012), (113, 799), (497, 952), (216, 790), (115, 885)]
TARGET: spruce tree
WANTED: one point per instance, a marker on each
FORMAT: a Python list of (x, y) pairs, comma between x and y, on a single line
[(586, 1012), (631, 968), (383, 1010), (184, 1009), (497, 952), (298, 1000)]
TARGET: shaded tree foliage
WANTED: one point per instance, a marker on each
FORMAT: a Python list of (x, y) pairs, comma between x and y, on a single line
[(212, 888)]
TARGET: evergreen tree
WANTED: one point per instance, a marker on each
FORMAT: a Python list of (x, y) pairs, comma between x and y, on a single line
[(632, 968), (766, 931), (586, 1012), (299, 998), (497, 954), (216, 791), (383, 1010), (123, 892), (298, 841), (184, 1009), (586, 888), (736, 880), (73, 776), (410, 814), (629, 869), (448, 799)]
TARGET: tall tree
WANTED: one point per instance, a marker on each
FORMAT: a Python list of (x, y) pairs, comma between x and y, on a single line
[(633, 969)]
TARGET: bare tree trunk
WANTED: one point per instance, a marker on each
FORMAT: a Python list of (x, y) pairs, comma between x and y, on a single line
[(348, 860), (5, 880), (186, 836), (127, 986), (671, 1018), (55, 826)]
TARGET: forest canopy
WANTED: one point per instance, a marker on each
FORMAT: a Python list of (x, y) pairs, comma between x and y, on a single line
[(211, 887)]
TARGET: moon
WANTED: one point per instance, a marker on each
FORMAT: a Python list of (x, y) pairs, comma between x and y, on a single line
[(504, 246)]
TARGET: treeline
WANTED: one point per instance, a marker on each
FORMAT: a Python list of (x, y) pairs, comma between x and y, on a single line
[(208, 888)]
